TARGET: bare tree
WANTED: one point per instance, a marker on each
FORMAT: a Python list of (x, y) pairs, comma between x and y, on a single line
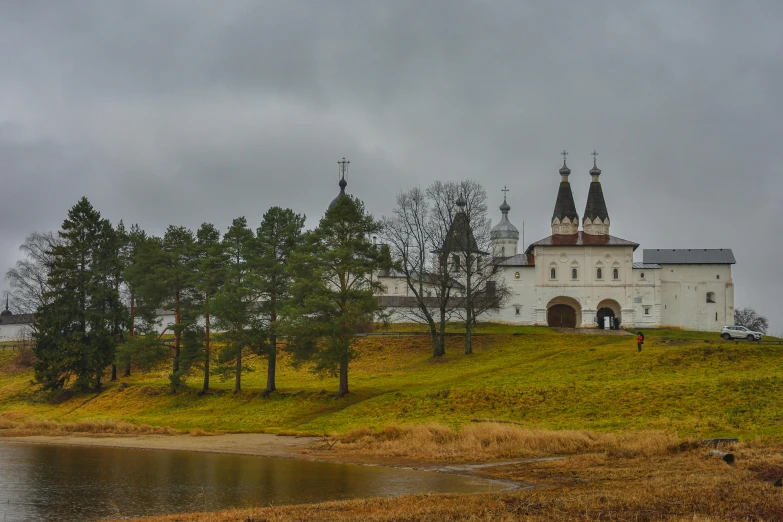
[(437, 239), (468, 245), (751, 320), (410, 233), (28, 279)]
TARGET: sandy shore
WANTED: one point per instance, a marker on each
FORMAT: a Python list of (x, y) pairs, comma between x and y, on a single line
[(259, 444)]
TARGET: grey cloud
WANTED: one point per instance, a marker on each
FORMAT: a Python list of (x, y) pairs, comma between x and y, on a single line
[(183, 112)]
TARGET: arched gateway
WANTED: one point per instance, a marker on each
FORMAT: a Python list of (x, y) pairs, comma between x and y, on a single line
[(564, 312), (607, 308)]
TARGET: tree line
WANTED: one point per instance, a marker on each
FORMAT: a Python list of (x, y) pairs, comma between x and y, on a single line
[(96, 289)]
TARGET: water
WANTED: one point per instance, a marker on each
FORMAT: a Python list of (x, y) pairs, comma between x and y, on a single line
[(64, 483)]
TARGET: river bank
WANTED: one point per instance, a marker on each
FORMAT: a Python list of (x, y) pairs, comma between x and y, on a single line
[(255, 444), (634, 481)]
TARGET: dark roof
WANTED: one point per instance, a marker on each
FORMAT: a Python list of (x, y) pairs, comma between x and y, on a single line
[(460, 237), (564, 205), (581, 239), (689, 256), (648, 266), (17, 319), (596, 206), (517, 260)]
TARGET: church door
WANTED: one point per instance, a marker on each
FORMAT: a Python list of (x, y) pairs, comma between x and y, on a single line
[(561, 316)]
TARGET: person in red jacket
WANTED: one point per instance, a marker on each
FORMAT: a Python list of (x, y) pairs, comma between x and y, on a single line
[(640, 341)]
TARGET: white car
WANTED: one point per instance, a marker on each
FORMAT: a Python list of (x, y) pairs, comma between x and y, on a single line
[(740, 332)]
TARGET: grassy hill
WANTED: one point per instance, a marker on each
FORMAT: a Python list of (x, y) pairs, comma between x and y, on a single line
[(692, 383)]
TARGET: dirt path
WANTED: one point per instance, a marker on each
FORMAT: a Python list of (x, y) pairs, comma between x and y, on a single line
[(259, 444)]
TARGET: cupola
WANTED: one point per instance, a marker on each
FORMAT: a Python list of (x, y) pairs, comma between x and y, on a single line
[(342, 183), (504, 236)]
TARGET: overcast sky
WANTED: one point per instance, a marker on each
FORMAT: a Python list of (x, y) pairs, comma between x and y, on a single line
[(180, 112)]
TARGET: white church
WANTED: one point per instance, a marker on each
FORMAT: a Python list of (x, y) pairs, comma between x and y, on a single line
[(588, 279)]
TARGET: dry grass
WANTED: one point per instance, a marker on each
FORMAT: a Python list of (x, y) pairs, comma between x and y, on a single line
[(490, 441), (21, 428), (678, 485)]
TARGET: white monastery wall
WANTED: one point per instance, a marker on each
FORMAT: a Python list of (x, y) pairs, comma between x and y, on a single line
[(15, 332), (684, 292)]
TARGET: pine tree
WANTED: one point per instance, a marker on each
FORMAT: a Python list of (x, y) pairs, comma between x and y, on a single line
[(140, 256), (208, 265), (279, 234), (334, 291), (75, 328), (174, 277), (235, 305)]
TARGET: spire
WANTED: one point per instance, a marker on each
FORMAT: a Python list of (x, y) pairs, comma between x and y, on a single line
[(6, 312), (565, 220), (564, 170), (504, 207), (342, 183), (596, 217), (595, 171)]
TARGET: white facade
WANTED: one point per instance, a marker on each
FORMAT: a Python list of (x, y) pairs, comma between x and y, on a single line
[(577, 278)]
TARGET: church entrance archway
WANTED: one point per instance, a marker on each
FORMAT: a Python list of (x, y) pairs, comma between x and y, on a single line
[(564, 312), (608, 309)]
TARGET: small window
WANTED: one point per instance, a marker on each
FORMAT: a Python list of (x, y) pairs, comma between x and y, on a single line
[(455, 263), (573, 273), (598, 274), (710, 297), (552, 273), (717, 276), (516, 275), (642, 275), (517, 310), (646, 310), (616, 274), (716, 316)]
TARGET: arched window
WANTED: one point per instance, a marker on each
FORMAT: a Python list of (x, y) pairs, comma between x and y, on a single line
[(616, 274), (710, 297), (573, 273), (599, 273), (552, 273)]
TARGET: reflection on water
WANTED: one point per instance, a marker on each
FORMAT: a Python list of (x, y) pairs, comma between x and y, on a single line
[(40, 482)]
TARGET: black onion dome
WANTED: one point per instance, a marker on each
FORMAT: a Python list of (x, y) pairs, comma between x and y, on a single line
[(342, 185), (6, 313), (564, 170)]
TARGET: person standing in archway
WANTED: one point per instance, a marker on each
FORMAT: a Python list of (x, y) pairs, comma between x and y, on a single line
[(616, 323), (640, 341)]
